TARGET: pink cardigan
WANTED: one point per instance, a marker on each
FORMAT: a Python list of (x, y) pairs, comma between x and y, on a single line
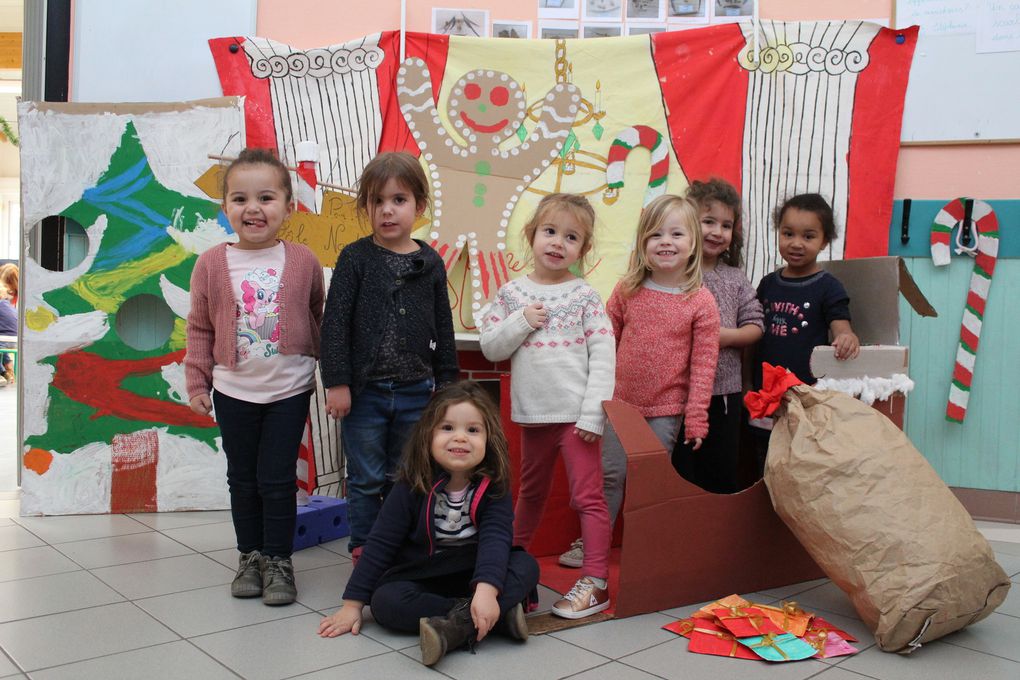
[(212, 322), (666, 351)]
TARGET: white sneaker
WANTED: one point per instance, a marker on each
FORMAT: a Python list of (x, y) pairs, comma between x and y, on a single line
[(575, 556), (584, 599)]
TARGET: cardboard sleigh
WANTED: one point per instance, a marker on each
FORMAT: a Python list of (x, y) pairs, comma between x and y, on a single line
[(682, 544)]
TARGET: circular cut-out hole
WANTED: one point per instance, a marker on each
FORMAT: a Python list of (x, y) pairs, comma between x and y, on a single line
[(302, 530), (58, 243), (144, 322)]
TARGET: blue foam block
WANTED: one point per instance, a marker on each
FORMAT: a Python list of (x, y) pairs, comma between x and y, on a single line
[(323, 519)]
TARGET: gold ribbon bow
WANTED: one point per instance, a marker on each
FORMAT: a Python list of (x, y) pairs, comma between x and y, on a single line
[(722, 636), (740, 613), (769, 640)]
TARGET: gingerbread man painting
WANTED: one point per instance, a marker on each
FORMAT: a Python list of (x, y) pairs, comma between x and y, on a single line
[(475, 183)]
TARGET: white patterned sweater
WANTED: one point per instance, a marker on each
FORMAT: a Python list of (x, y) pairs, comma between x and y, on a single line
[(563, 371)]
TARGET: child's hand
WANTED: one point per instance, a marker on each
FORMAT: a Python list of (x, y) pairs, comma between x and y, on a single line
[(338, 401), (847, 345), (484, 609), (347, 619), (585, 435), (696, 445), (535, 314), (201, 404)]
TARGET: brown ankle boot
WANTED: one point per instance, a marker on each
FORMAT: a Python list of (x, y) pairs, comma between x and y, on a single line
[(440, 634)]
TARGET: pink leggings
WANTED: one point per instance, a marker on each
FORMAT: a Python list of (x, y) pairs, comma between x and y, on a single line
[(583, 463)]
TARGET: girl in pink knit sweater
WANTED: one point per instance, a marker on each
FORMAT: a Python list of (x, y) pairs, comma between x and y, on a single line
[(666, 326), (253, 341)]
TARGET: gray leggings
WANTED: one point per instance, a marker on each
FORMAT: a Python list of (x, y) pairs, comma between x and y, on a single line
[(614, 459)]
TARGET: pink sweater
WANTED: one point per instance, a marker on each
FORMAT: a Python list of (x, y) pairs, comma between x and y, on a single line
[(212, 322), (666, 350)]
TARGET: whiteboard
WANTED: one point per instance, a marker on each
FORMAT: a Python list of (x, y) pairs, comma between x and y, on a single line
[(151, 51), (956, 94)]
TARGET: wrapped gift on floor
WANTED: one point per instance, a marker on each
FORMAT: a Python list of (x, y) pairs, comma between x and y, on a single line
[(745, 621), (710, 638), (682, 627), (779, 647), (829, 644), (819, 624), (788, 616), (726, 602)]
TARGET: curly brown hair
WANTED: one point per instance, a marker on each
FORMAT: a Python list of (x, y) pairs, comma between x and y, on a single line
[(255, 156), (721, 191), (419, 470)]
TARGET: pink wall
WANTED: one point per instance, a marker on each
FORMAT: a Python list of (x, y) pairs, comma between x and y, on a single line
[(939, 171)]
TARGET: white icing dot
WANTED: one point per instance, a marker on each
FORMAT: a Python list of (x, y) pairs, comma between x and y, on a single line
[(572, 109), (527, 178), (472, 234), (417, 135), (472, 138), (438, 184), (495, 139), (474, 149), (428, 157), (458, 123), (437, 212), (501, 233), (474, 251), (433, 167), (410, 124), (434, 235), (560, 87), (490, 74), (575, 98), (501, 246), (495, 152), (534, 137), (476, 272), (477, 295), (515, 151), (449, 142), (437, 194), (453, 103), (552, 154), (520, 188), (471, 76), (476, 305), (503, 154), (506, 212)]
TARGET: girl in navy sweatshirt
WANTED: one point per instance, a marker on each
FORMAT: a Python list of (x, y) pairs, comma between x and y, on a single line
[(438, 560)]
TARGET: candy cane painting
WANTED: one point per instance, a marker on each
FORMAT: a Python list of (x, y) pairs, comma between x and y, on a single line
[(630, 138), (985, 251)]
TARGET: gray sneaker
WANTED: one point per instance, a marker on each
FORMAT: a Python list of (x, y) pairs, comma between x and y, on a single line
[(575, 556), (248, 581), (278, 581)]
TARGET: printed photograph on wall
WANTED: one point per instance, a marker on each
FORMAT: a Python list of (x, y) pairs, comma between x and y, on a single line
[(558, 9), (603, 31), (646, 10), (644, 29), (470, 22), (557, 29), (602, 10), (502, 28), (733, 10), (688, 11)]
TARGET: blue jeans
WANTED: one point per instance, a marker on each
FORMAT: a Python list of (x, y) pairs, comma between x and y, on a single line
[(261, 444), (374, 433)]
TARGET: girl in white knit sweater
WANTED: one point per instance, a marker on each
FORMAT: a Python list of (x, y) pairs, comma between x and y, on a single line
[(553, 327)]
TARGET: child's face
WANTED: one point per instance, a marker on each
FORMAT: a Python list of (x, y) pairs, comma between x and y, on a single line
[(716, 229), (458, 442), (558, 244), (668, 248), (255, 205), (394, 212), (801, 238)]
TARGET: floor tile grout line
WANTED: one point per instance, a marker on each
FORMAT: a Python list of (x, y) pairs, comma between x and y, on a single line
[(345, 663), (215, 660), (845, 670), (642, 670), (977, 651), (242, 627), (12, 660), (102, 656)]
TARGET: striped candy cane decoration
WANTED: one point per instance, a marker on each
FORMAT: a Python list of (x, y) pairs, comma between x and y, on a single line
[(646, 138), (985, 253), (307, 155)]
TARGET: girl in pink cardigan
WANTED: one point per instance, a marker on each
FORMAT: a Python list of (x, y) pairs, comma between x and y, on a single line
[(253, 340), (667, 340)]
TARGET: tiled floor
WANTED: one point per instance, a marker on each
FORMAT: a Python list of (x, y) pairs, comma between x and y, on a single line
[(145, 596)]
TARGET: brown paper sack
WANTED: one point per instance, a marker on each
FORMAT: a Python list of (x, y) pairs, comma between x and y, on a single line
[(878, 520)]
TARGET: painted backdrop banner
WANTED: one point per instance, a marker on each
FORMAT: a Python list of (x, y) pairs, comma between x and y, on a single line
[(107, 425), (499, 123)]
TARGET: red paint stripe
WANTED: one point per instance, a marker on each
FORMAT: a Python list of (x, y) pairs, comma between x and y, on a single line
[(875, 142), (133, 478), (452, 259), (495, 269), (236, 79), (962, 375), (955, 209), (940, 237), (986, 262), (502, 265), (968, 338), (660, 169), (954, 412), (708, 139), (977, 302), (442, 249), (428, 46), (484, 275), (94, 381), (647, 136)]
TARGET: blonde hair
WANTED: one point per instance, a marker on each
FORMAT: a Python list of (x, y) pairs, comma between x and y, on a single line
[(652, 218), (574, 204)]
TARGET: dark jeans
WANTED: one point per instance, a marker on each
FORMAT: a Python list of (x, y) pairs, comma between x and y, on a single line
[(374, 433), (715, 466), (399, 604), (261, 443)]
